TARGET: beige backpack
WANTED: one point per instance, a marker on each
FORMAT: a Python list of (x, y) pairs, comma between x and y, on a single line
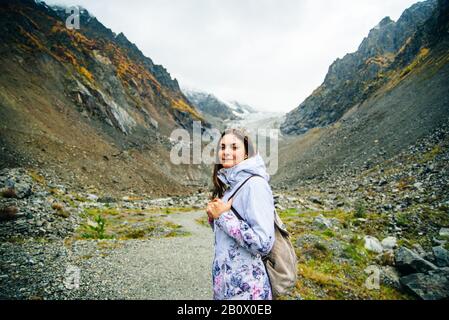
[(281, 262)]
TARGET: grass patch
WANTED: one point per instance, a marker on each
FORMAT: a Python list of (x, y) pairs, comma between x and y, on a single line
[(204, 221), (430, 155), (38, 178), (112, 223)]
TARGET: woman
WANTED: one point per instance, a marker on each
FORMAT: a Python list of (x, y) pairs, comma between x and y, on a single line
[(238, 271)]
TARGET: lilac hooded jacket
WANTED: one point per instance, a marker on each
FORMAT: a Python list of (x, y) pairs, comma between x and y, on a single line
[(238, 271)]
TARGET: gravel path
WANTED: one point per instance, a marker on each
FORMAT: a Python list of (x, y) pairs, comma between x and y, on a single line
[(166, 268)]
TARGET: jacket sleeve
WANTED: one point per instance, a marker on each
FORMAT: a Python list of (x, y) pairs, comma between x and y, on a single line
[(255, 205)]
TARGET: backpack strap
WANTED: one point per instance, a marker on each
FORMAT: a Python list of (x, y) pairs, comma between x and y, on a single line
[(277, 220), (235, 192), (242, 184)]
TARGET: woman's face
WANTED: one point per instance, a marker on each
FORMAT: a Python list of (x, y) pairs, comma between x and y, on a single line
[(232, 151)]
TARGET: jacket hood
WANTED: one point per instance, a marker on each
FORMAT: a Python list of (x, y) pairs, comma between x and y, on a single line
[(246, 168)]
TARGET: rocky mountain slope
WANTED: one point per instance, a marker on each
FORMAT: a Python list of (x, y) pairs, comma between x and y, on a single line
[(86, 103), (389, 47), (410, 101)]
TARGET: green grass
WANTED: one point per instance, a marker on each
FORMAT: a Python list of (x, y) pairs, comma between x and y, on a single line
[(112, 223), (203, 221), (430, 155), (324, 273)]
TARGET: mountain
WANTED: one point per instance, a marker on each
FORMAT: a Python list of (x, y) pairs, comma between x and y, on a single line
[(87, 103), (357, 76), (374, 103), (210, 105), (216, 110)]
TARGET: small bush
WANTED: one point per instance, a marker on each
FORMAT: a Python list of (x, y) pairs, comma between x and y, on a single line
[(8, 213), (96, 229), (57, 206), (360, 210), (9, 193)]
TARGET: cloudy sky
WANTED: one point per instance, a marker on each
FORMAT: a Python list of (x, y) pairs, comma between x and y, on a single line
[(270, 54)]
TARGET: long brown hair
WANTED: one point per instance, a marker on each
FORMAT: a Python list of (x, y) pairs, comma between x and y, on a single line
[(219, 187)]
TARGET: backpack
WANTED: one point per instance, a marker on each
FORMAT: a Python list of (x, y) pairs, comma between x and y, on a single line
[(281, 262)]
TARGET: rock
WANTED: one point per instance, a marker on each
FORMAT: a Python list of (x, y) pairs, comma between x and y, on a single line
[(444, 233), (418, 249), (322, 222), (106, 199), (438, 241), (279, 207), (390, 277), (91, 197), (386, 258), (389, 243), (418, 185), (373, 244), (315, 199), (441, 256), (431, 286), (408, 261)]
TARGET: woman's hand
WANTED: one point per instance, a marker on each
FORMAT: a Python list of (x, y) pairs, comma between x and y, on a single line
[(217, 207)]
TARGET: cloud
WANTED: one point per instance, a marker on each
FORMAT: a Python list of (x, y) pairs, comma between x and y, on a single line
[(270, 54)]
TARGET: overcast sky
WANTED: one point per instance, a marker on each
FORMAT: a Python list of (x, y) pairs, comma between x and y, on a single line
[(270, 54)]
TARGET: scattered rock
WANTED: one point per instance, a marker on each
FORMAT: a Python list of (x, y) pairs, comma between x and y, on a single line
[(408, 261), (91, 197), (444, 233), (389, 243), (390, 277), (441, 256), (431, 286), (322, 222), (107, 199), (373, 244), (316, 200)]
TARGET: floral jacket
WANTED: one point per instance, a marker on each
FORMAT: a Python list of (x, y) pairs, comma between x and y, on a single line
[(238, 271)]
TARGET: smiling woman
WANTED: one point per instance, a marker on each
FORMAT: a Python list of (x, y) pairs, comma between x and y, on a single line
[(238, 270)]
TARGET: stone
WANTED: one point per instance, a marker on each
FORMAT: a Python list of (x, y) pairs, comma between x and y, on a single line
[(322, 222), (418, 185), (389, 276), (373, 244), (389, 243), (106, 199), (91, 197), (441, 256), (386, 258), (431, 286), (408, 261), (444, 233), (316, 200), (419, 249)]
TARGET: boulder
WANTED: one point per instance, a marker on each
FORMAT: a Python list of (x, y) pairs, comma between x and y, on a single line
[(441, 256), (389, 243), (444, 233), (390, 277), (408, 261), (431, 286), (373, 244)]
